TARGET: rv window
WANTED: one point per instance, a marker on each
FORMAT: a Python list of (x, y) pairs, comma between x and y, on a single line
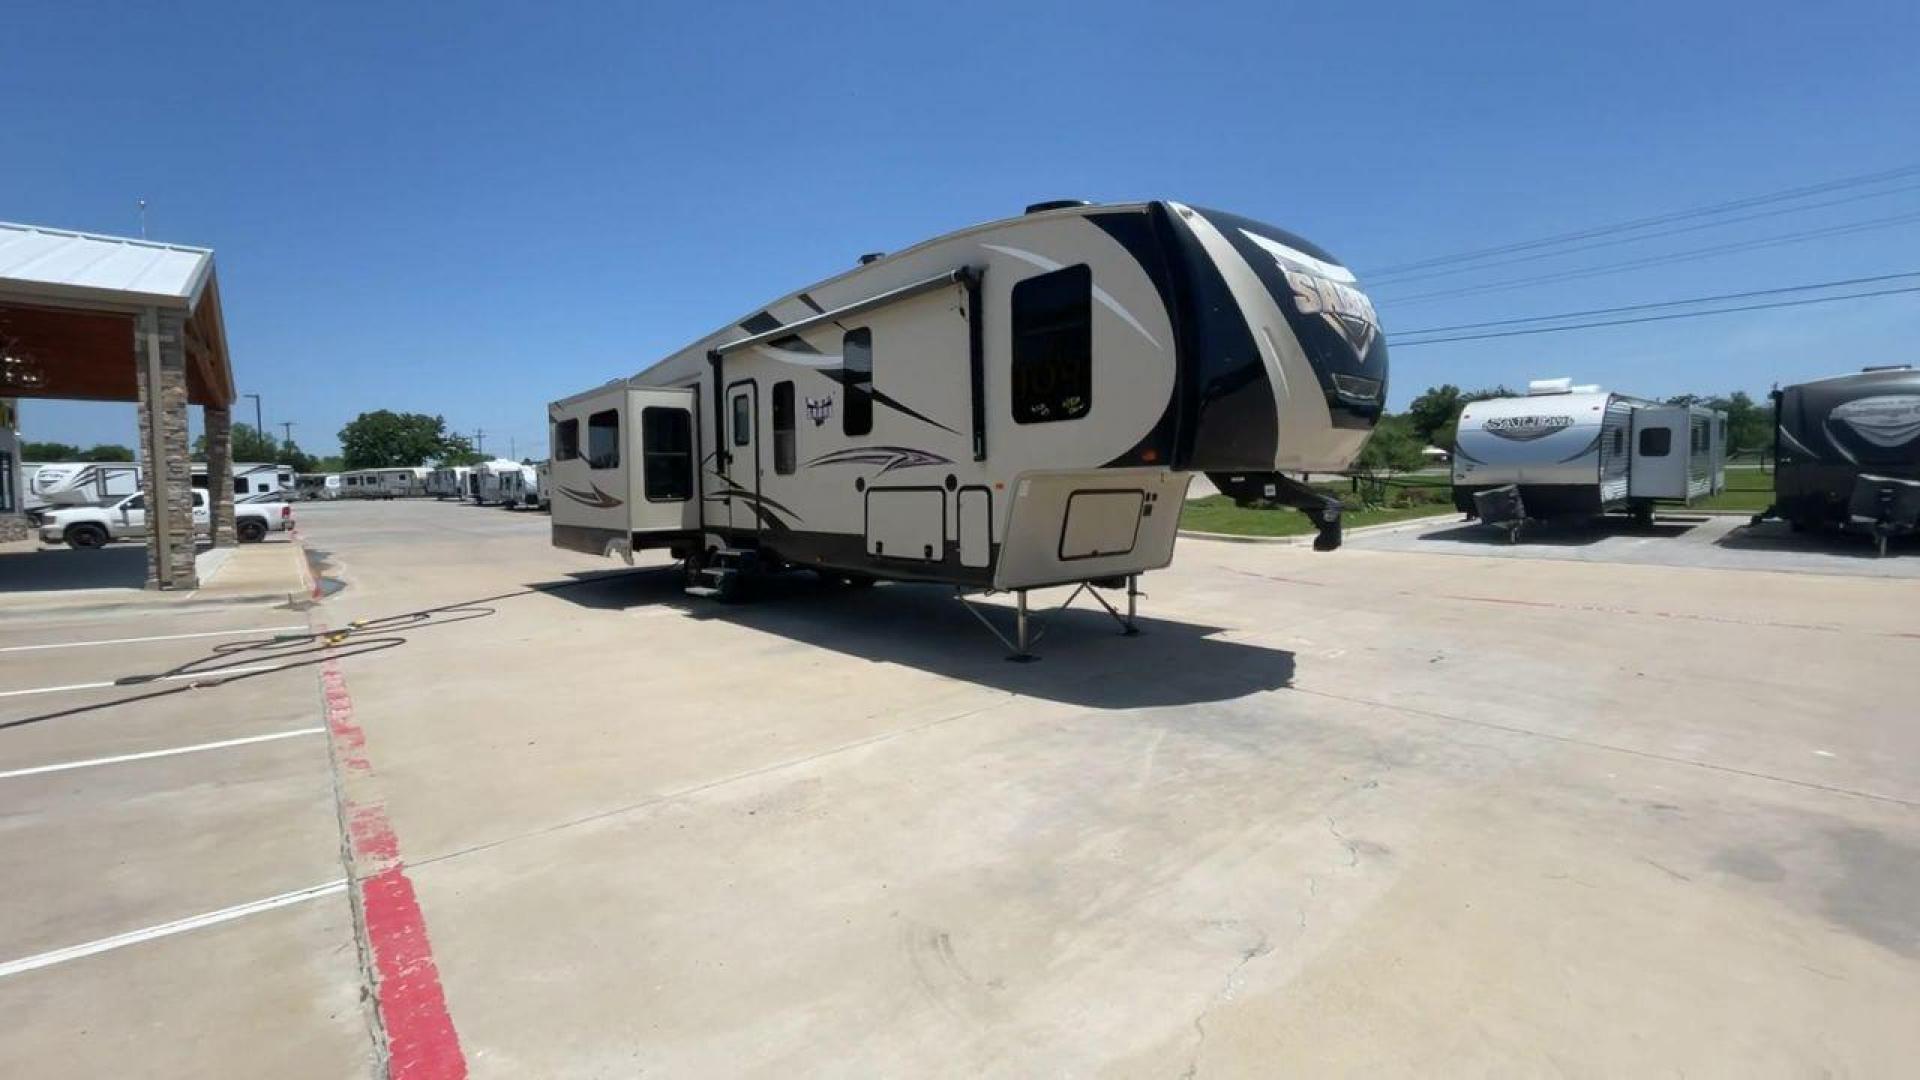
[(566, 440), (856, 362), (783, 448), (742, 420), (239, 485), (1053, 346), (1656, 442), (603, 440), (1619, 441), (667, 449)]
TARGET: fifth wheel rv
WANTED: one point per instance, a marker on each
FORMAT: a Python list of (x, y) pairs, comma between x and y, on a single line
[(1579, 452), (1015, 405)]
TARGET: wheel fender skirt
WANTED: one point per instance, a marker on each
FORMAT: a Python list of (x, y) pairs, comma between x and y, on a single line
[(1269, 489)]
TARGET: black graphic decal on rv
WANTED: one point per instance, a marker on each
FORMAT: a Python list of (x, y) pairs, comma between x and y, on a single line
[(1592, 447), (597, 499), (1885, 420), (761, 506), (1525, 428), (820, 410), (888, 458)]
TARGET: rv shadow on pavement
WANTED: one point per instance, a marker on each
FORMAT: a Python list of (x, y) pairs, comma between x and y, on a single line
[(1084, 659), (1779, 536), (1564, 534)]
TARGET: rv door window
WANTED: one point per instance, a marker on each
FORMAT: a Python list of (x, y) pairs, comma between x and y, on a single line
[(1656, 442), (603, 440), (783, 437), (666, 437), (566, 440), (1053, 346), (856, 362), (742, 420)]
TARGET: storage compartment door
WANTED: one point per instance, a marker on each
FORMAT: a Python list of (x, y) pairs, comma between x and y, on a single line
[(906, 523), (1100, 523), (976, 527)]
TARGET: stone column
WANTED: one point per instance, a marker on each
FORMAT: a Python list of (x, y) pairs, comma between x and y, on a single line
[(219, 424), (159, 342)]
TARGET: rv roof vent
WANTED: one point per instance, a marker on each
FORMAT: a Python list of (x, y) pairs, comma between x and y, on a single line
[(1550, 386), (872, 256), (1888, 367), (1055, 204)]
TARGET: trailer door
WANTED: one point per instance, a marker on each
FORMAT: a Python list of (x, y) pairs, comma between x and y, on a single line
[(1660, 449), (743, 456), (665, 492)]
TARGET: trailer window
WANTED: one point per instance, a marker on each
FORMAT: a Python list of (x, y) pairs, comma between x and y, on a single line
[(566, 440), (1053, 346), (856, 362), (239, 485), (603, 440), (783, 448), (1656, 442), (666, 437), (1619, 441), (742, 420)]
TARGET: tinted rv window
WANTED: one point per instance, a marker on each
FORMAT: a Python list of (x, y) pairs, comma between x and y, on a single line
[(742, 420), (1619, 441), (783, 448), (1656, 442), (856, 358), (566, 440), (667, 446), (240, 485), (1053, 346), (603, 440)]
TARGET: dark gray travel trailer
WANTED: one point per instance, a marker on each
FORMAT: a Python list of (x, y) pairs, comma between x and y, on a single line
[(1832, 435), (1015, 405)]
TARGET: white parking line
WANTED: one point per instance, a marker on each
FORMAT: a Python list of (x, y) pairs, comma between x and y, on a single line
[(178, 926), (215, 673), (150, 754), (161, 637)]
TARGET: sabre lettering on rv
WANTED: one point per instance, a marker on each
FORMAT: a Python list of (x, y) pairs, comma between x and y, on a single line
[(1885, 420), (1324, 289)]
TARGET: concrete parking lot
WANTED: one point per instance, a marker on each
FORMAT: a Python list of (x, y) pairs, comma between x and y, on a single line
[(1380, 811)]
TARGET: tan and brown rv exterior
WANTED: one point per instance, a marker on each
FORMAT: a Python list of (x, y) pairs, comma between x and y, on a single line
[(1013, 405)]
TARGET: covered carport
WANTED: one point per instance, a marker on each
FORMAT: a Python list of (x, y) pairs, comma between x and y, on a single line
[(104, 318)]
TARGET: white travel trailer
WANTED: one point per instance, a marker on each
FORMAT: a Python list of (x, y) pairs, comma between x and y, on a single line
[(489, 480), (395, 483), (318, 486), (1579, 451), (519, 486), (1015, 405), (543, 485), (252, 481), (79, 483), (448, 482)]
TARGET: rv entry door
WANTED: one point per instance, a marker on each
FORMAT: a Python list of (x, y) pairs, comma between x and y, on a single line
[(743, 456), (1659, 453)]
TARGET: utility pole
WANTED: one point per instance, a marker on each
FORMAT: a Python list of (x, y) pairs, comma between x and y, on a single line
[(513, 448), (142, 203), (287, 426), (258, 428), (479, 440)]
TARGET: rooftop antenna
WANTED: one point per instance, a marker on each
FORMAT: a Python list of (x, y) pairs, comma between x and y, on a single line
[(143, 217)]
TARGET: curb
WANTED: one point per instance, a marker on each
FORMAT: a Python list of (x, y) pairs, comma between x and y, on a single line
[(1307, 538)]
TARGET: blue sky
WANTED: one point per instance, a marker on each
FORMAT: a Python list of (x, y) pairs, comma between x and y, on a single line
[(471, 211)]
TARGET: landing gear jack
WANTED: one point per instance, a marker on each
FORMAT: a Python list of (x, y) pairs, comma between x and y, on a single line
[(1026, 634)]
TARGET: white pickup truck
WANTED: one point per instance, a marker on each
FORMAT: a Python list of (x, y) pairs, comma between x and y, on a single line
[(93, 526)]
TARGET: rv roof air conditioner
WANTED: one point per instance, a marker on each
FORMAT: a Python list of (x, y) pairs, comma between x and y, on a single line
[(872, 256), (1055, 204), (1888, 367), (1549, 386)]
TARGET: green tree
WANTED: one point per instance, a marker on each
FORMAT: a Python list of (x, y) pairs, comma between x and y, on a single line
[(48, 451), (107, 452), (248, 445), (1435, 412), (1394, 447), (1749, 424), (386, 439), (458, 450)]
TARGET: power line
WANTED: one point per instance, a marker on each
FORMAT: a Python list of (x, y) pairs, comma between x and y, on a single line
[(1657, 260), (1657, 304), (1374, 281), (1658, 219), (1658, 318)]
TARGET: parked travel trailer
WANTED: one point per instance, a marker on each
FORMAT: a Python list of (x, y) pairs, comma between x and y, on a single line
[(1579, 451), (448, 482), (543, 485), (1832, 435), (252, 481), (489, 485), (395, 483), (317, 486), (79, 483), (519, 486), (1015, 405)]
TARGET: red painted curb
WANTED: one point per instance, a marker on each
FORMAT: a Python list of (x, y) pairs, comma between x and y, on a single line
[(421, 1041)]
